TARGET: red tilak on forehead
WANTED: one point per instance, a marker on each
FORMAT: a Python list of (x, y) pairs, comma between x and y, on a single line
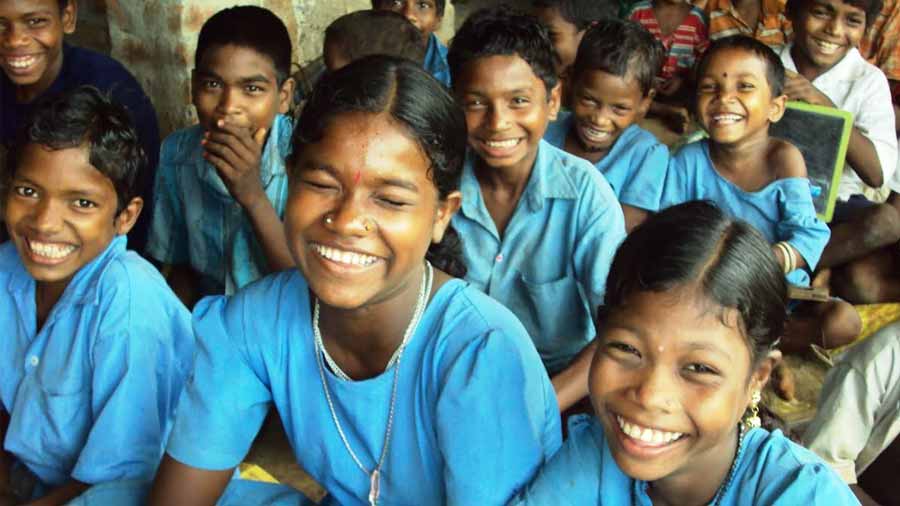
[(357, 177)]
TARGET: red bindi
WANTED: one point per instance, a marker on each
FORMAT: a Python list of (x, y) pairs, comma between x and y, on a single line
[(357, 177)]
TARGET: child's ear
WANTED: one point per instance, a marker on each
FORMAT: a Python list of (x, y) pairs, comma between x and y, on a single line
[(446, 209), (286, 95), (128, 216), (776, 108), (645, 104), (554, 100), (69, 17), (764, 370)]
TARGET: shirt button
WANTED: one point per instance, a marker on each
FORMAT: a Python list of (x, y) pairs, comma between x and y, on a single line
[(499, 257), (34, 361)]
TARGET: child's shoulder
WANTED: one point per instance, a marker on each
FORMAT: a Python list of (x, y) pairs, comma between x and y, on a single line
[(126, 280), (785, 159), (572, 174), (181, 145), (86, 66), (9, 259)]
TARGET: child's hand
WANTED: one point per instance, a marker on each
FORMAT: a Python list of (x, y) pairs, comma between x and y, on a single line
[(797, 87), (236, 155)]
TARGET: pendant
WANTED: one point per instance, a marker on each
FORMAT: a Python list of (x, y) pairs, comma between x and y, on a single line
[(373, 487)]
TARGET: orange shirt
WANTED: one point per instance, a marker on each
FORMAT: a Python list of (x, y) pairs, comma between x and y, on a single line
[(773, 28), (881, 44)]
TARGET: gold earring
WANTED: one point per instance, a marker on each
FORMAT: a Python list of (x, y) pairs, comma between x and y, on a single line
[(367, 225), (751, 418)]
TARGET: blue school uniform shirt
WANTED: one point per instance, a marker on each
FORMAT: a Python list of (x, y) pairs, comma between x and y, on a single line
[(771, 470), (436, 60), (782, 211), (197, 222), (455, 441), (635, 166), (85, 67), (550, 266), (91, 394)]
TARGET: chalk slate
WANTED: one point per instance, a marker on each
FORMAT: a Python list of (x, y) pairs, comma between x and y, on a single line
[(822, 134)]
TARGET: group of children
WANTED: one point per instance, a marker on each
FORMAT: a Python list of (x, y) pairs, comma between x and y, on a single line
[(428, 266)]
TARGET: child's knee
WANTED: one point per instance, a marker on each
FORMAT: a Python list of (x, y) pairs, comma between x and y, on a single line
[(858, 282), (841, 324), (881, 225)]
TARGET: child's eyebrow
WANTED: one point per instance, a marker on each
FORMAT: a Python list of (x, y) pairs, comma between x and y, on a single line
[(703, 346), (400, 183), (258, 78)]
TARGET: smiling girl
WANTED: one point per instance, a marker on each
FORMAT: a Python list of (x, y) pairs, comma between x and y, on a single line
[(695, 303), (382, 365)]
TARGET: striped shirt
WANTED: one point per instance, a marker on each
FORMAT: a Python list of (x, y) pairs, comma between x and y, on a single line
[(197, 222), (772, 28), (683, 46)]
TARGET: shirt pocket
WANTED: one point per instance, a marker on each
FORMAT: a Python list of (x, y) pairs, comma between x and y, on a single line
[(557, 309)]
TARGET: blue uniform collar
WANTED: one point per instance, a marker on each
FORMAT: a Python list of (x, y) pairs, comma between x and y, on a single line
[(83, 289)]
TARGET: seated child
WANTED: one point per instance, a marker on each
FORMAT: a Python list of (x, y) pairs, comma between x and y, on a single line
[(859, 408), (426, 15), (366, 32), (681, 28), (540, 226), (221, 185), (758, 178), (612, 89), (825, 68), (94, 347), (36, 62), (567, 21), (695, 304), (382, 365), (764, 20)]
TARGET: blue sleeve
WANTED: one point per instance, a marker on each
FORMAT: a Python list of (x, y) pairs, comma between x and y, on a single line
[(646, 177), (168, 239), (676, 189), (497, 419), (138, 370), (572, 476), (806, 484), (798, 224), (226, 400), (601, 227)]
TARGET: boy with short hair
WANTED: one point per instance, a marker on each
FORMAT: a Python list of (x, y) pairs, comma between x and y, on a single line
[(36, 62), (366, 32), (426, 15), (540, 226), (94, 347), (221, 185), (612, 89)]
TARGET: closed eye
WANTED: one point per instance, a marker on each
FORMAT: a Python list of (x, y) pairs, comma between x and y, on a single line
[(698, 368)]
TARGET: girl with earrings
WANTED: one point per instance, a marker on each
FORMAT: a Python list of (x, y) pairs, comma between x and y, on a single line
[(694, 306), (396, 382)]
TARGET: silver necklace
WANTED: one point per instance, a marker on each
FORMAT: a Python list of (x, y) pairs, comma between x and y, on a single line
[(375, 474)]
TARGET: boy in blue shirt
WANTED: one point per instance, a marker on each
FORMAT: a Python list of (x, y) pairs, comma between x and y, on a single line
[(612, 90), (539, 225), (426, 15), (361, 33), (94, 347), (221, 185), (36, 63)]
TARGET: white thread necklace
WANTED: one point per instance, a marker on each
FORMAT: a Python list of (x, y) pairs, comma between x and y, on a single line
[(375, 474)]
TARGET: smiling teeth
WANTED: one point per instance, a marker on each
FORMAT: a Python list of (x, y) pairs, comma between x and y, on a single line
[(50, 250), (594, 134), (502, 144), (21, 63), (646, 434), (827, 47), (727, 118), (344, 257)]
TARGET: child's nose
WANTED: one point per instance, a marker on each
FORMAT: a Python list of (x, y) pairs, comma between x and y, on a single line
[(498, 118), (655, 391), (229, 101), (46, 217), (834, 26), (14, 36), (349, 218)]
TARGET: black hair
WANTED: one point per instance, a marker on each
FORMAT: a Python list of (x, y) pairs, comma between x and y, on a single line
[(774, 66), (86, 116), (63, 4), (439, 4), (366, 32), (872, 8), (619, 48), (382, 84), (252, 27), (727, 260), (581, 13), (504, 31)]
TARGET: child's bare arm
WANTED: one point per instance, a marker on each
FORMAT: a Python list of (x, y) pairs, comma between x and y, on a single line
[(178, 484), (184, 281), (236, 155)]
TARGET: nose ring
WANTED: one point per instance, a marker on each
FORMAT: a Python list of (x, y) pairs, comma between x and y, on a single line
[(367, 225)]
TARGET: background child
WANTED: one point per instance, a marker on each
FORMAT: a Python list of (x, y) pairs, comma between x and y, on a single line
[(221, 185), (391, 367), (681, 29), (540, 225), (756, 177), (94, 347), (694, 308), (366, 32), (612, 89), (426, 15), (764, 20), (37, 63), (567, 21)]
